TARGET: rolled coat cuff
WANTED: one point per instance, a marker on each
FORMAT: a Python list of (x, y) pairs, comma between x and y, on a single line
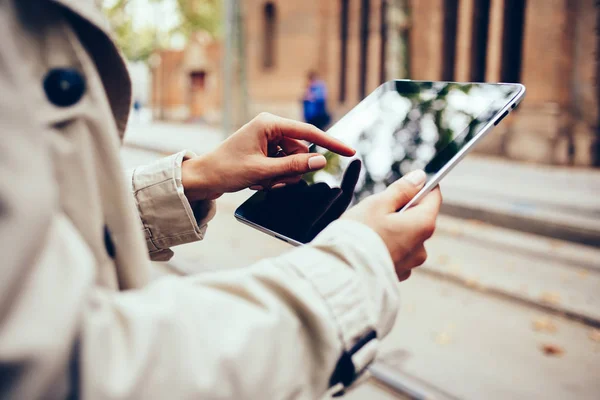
[(364, 295), (167, 216)]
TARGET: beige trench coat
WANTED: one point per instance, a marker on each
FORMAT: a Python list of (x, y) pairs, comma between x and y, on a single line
[(78, 316)]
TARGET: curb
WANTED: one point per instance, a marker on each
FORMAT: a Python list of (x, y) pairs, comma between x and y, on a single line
[(523, 223), (408, 385)]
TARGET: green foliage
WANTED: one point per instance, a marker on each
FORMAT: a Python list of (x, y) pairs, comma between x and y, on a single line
[(200, 15), (138, 44), (332, 167)]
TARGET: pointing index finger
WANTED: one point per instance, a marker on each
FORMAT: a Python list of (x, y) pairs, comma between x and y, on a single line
[(303, 131)]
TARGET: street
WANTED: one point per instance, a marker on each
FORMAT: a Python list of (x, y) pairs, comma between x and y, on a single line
[(494, 313)]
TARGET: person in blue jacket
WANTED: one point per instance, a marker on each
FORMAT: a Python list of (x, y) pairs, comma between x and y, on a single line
[(315, 102)]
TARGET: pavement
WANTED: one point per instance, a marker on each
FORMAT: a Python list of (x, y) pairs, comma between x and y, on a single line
[(557, 202), (495, 313)]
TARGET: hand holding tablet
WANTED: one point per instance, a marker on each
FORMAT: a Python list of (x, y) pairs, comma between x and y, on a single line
[(404, 233)]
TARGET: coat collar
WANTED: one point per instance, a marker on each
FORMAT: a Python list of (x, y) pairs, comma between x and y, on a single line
[(94, 32), (89, 10)]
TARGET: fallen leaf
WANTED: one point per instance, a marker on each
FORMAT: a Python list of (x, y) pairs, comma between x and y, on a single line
[(476, 222), (555, 244), (583, 273), (552, 350), (544, 324), (443, 338), (550, 297), (473, 284), (595, 335)]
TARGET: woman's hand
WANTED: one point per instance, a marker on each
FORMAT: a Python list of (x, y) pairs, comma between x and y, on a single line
[(403, 233), (265, 152)]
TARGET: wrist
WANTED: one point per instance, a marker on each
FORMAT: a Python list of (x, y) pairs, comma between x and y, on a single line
[(196, 181)]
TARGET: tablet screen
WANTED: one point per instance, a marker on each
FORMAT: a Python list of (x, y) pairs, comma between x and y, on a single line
[(402, 126)]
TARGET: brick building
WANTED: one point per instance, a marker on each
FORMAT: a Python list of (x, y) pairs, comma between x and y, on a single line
[(186, 83), (549, 45)]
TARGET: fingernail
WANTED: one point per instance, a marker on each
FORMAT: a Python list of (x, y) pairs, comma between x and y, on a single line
[(416, 177), (316, 162), (278, 185), (255, 187)]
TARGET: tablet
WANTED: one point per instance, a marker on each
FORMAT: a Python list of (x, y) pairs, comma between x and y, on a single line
[(402, 126)]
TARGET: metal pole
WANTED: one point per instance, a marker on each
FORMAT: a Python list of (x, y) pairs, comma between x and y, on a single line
[(228, 66), (158, 72), (242, 72)]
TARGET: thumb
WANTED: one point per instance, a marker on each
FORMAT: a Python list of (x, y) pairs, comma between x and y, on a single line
[(403, 190), (296, 164)]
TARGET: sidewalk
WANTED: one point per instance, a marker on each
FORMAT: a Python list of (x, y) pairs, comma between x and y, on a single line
[(168, 138), (557, 202)]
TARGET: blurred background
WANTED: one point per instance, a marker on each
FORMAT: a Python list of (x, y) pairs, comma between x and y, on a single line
[(508, 304)]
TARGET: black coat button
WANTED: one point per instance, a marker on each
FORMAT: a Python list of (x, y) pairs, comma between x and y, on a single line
[(108, 243), (64, 86)]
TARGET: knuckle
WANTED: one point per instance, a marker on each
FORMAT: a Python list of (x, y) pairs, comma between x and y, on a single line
[(264, 116), (295, 165), (421, 257), (401, 192), (428, 227), (403, 275), (369, 204), (428, 231), (263, 119)]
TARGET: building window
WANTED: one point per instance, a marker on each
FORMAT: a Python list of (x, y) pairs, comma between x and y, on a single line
[(198, 80), (270, 32), (449, 39), (344, 10), (479, 39), (512, 40), (365, 11)]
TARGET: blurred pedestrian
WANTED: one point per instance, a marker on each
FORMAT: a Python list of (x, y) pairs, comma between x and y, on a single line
[(137, 108), (315, 102), (79, 317)]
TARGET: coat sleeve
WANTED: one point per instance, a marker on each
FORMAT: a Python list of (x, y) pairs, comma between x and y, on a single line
[(168, 218), (274, 330)]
